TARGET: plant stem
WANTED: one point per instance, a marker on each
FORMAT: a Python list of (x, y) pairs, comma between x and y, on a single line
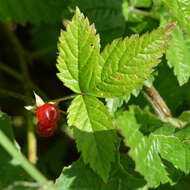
[(15, 95), (29, 168), (27, 87), (64, 98), (157, 102), (32, 150)]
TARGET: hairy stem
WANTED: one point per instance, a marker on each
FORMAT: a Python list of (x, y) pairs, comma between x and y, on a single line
[(56, 101), (157, 102), (10, 148), (27, 87)]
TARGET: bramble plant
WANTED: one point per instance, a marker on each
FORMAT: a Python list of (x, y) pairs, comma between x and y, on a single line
[(112, 129)]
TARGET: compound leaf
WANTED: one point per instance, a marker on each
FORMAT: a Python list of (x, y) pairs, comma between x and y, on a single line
[(152, 152), (122, 66), (94, 132)]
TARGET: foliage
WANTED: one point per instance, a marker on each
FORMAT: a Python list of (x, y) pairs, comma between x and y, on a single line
[(117, 132)]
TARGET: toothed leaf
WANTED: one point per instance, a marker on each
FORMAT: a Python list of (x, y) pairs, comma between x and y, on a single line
[(79, 48), (72, 178), (94, 133), (180, 9), (122, 66), (153, 153), (127, 63), (180, 62)]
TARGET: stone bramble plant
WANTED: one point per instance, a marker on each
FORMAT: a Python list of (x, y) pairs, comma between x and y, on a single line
[(121, 147)]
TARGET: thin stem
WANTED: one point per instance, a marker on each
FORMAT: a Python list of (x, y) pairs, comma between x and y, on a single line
[(27, 87), (63, 112), (32, 151), (64, 98), (10, 148), (157, 102), (16, 95)]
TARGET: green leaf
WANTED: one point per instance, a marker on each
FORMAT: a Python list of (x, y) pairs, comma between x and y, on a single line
[(180, 9), (79, 49), (94, 132), (178, 56), (121, 67), (173, 95), (114, 103), (120, 178), (10, 170), (141, 3), (127, 63), (31, 11), (182, 184), (79, 176), (125, 7), (185, 116), (107, 17), (150, 151), (149, 122), (183, 132)]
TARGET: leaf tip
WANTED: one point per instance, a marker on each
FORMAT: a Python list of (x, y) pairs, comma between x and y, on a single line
[(78, 12), (77, 9)]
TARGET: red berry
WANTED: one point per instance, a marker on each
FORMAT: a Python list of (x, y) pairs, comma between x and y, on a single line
[(45, 131), (48, 115)]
